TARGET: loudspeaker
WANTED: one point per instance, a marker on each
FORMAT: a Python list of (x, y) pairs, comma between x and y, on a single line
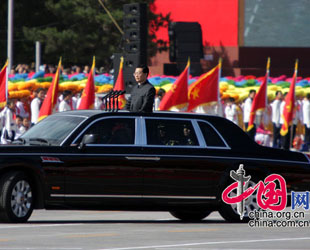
[(135, 37), (175, 69), (135, 9), (135, 28), (171, 69), (195, 68), (185, 40)]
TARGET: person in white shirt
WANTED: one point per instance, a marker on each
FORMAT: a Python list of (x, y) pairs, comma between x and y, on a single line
[(160, 94), (19, 107), (231, 112), (246, 113), (306, 119), (275, 118), (8, 130), (285, 140), (64, 105), (20, 129), (36, 105)]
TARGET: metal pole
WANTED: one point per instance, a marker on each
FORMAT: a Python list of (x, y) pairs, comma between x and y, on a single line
[(38, 55), (10, 33)]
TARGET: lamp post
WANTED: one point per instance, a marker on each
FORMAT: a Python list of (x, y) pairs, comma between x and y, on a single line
[(10, 33)]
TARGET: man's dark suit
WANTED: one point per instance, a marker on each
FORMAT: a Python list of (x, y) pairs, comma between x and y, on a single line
[(142, 98)]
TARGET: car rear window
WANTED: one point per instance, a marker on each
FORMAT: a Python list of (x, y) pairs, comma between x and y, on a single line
[(170, 132), (211, 137)]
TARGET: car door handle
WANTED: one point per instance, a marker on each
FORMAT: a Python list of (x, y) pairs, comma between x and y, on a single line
[(143, 158)]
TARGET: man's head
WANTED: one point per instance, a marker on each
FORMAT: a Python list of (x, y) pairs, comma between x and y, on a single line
[(26, 122), (18, 120), (10, 104), (67, 94), (186, 130), (252, 93), (141, 73), (161, 93), (279, 95), (230, 101), (40, 93)]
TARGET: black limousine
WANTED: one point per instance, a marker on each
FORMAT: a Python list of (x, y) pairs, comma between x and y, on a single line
[(161, 161)]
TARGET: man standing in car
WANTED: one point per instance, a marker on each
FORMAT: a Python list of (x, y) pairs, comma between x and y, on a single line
[(143, 93)]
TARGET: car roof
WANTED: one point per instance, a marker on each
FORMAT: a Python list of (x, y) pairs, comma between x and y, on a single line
[(93, 112)]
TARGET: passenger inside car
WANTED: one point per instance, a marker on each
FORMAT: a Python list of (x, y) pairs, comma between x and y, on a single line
[(187, 138), (170, 133), (121, 134)]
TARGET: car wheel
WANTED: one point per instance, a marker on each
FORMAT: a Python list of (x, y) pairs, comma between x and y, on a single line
[(16, 198), (229, 211), (190, 216)]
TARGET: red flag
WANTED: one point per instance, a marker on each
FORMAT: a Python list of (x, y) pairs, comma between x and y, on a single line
[(177, 97), (289, 105), (260, 99), (120, 85), (88, 96), (3, 85), (50, 100), (205, 90)]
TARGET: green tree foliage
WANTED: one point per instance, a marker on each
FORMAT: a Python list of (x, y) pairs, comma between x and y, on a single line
[(76, 30)]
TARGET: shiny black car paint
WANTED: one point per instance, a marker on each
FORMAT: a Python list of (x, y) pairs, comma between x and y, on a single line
[(146, 177)]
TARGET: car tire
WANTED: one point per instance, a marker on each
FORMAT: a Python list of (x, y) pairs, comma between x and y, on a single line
[(229, 211), (190, 216), (16, 198)]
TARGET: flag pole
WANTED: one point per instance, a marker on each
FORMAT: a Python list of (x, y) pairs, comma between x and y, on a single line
[(292, 125), (266, 100), (7, 81), (220, 111)]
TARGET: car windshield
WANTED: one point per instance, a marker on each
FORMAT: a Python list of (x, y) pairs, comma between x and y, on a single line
[(52, 130)]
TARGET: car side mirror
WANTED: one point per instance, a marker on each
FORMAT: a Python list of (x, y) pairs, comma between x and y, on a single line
[(88, 139)]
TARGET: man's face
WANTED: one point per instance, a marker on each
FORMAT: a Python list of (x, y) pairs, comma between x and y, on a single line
[(140, 76), (252, 94), (41, 94), (186, 131)]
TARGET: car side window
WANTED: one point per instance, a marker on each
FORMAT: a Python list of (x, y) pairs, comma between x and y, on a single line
[(114, 131), (210, 135), (170, 132)]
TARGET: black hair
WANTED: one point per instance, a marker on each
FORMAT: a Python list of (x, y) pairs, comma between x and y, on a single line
[(308, 96), (278, 91), (39, 89), (252, 91), (66, 93), (161, 92), (18, 116), (145, 69)]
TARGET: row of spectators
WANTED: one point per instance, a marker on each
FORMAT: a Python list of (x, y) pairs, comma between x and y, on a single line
[(51, 69)]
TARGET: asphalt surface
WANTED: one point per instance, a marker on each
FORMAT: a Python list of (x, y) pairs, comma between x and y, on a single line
[(118, 230)]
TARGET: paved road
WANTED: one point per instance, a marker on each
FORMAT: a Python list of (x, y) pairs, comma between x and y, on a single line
[(114, 230)]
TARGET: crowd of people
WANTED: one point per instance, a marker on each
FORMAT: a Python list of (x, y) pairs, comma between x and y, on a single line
[(51, 69), (19, 115), (268, 122)]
